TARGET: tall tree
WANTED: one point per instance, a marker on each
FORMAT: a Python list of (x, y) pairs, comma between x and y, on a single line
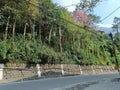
[(116, 24), (87, 5)]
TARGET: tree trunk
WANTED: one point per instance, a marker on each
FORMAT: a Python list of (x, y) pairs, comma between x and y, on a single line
[(50, 35), (78, 42), (6, 29), (25, 30), (14, 25), (72, 40), (33, 30), (30, 23), (39, 34), (93, 53), (60, 39)]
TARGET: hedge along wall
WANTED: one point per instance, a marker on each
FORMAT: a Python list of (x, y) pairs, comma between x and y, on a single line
[(14, 72)]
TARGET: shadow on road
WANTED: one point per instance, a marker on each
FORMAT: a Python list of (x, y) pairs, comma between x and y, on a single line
[(82, 86)]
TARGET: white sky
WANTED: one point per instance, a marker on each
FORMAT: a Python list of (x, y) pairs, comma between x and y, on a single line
[(103, 9), (67, 3)]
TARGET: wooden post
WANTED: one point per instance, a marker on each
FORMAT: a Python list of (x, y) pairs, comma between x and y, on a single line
[(108, 69), (81, 72), (62, 69), (93, 70), (101, 69), (38, 70)]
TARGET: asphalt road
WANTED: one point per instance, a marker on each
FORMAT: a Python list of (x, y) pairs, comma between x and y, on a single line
[(109, 84), (62, 83)]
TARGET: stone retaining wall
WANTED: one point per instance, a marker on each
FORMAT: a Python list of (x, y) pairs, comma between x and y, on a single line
[(14, 72)]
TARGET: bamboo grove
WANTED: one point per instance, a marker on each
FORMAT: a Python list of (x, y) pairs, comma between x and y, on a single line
[(44, 32)]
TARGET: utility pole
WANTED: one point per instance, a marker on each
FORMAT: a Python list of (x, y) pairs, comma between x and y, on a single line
[(114, 51)]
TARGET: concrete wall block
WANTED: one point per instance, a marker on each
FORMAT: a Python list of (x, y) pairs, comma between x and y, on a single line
[(20, 71)]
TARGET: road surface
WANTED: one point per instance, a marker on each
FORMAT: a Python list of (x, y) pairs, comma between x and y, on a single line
[(65, 83)]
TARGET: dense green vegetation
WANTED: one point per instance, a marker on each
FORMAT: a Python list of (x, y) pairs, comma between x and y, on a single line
[(44, 32)]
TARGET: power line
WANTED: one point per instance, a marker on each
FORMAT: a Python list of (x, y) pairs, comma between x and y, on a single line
[(72, 5), (110, 14), (68, 21), (104, 17), (59, 17)]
